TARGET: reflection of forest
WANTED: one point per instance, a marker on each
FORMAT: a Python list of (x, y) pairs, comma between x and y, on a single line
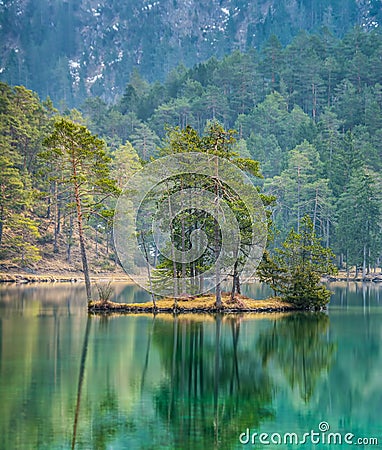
[(214, 386), (355, 294), (218, 383), (195, 381), (300, 346), (63, 297)]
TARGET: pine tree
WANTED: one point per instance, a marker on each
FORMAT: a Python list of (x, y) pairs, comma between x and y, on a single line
[(84, 167), (295, 270)]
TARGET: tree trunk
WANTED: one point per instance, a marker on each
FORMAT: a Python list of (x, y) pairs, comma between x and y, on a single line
[(235, 282), (70, 237), (48, 208), (315, 210), (84, 259), (364, 263), (183, 245), (148, 270), (218, 294), (56, 219), (174, 271), (238, 288), (327, 232), (1, 222)]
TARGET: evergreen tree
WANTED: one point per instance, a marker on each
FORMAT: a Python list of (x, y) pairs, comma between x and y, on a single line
[(359, 220), (84, 167), (295, 270)]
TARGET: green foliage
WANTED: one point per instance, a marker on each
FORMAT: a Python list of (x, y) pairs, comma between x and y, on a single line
[(81, 157), (85, 168), (124, 164), (310, 113), (295, 270), (359, 215), (62, 42), (21, 234), (23, 123)]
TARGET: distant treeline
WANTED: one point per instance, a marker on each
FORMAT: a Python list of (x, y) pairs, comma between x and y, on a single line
[(309, 112)]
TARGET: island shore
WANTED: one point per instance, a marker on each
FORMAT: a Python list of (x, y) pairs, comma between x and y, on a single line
[(201, 304)]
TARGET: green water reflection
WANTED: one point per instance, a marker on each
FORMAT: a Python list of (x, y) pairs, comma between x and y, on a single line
[(191, 382)]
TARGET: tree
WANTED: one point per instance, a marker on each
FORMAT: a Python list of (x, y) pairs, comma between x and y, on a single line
[(125, 162), (24, 232), (218, 143), (84, 166), (359, 220), (301, 190), (145, 141), (13, 195), (295, 270)]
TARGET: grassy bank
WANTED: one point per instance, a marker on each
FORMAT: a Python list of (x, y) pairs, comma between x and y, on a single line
[(202, 304)]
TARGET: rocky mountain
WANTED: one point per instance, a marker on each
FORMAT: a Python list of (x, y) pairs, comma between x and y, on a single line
[(70, 49)]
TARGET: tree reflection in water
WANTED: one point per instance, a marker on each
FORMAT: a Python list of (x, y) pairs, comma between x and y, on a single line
[(300, 345), (214, 385), (216, 376), (218, 383)]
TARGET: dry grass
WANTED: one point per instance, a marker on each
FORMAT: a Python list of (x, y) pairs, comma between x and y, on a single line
[(204, 304)]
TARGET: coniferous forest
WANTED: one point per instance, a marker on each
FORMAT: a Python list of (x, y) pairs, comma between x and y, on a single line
[(190, 224), (310, 112)]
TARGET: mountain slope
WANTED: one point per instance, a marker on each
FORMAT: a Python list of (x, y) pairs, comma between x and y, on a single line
[(75, 48)]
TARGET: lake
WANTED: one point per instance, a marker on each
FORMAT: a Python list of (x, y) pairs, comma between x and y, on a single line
[(190, 382)]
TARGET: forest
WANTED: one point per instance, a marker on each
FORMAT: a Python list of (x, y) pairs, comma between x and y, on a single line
[(79, 48), (309, 112)]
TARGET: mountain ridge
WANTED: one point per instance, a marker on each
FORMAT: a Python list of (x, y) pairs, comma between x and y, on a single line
[(74, 49)]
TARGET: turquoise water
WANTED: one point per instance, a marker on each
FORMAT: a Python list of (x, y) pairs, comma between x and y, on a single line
[(193, 382)]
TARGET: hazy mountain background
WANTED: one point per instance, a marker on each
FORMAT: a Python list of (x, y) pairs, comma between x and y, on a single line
[(73, 49)]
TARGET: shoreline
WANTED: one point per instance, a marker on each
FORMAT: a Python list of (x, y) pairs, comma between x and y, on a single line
[(198, 305), (51, 277), (77, 277)]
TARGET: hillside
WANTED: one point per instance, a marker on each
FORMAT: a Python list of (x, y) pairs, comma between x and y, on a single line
[(74, 49), (310, 113)]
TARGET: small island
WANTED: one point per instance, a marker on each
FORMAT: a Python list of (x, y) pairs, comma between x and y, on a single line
[(200, 304), (293, 272)]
